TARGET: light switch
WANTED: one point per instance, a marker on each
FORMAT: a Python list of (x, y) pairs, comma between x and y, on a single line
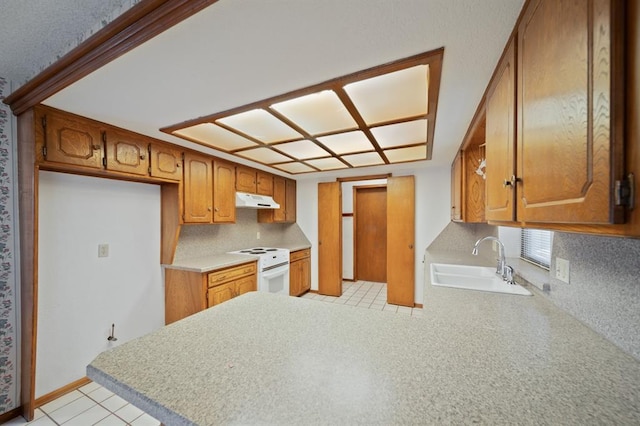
[(103, 250)]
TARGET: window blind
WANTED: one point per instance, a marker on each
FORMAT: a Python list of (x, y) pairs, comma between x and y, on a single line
[(535, 246)]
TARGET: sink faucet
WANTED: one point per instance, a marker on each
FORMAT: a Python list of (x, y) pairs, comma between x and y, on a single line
[(506, 272)]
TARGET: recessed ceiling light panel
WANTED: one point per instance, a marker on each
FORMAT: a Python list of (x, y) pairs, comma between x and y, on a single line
[(294, 167), (391, 96), (260, 125), (402, 155), (317, 113), (264, 155), (344, 143), (215, 136), (327, 163), (408, 133), (366, 159), (302, 149)]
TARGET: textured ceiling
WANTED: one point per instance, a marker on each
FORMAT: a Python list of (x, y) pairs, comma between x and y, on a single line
[(237, 52), (33, 33)]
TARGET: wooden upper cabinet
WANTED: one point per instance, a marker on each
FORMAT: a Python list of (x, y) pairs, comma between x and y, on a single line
[(290, 201), (265, 183), (245, 179), (570, 112), (279, 194), (71, 140), (500, 140), (166, 162), (126, 152), (198, 189), (456, 188), (224, 193)]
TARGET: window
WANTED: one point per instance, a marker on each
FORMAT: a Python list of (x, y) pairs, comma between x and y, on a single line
[(535, 246)]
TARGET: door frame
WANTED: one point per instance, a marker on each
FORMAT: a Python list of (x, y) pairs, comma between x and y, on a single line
[(355, 221)]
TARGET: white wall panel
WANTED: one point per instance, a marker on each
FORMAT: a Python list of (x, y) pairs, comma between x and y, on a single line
[(80, 294)]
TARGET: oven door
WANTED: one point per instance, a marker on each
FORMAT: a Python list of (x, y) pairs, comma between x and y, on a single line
[(275, 279)]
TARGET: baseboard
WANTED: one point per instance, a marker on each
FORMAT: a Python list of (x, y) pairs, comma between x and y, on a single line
[(62, 391), (417, 305), (11, 414), (351, 280)]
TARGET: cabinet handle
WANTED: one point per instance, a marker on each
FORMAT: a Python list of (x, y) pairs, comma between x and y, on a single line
[(208, 209), (216, 209), (95, 147), (178, 165), (411, 246), (142, 156), (511, 182)]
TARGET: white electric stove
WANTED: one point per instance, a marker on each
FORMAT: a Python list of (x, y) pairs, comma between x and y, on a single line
[(273, 268)]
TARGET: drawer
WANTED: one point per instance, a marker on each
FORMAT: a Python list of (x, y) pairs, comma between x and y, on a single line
[(227, 274), (300, 254)]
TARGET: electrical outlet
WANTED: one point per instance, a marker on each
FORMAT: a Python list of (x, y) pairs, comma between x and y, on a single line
[(103, 250), (562, 269), (258, 235)]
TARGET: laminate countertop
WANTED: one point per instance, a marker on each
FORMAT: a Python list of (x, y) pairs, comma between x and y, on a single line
[(211, 262), (472, 358)]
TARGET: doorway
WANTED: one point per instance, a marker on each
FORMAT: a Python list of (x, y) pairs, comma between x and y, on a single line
[(370, 233)]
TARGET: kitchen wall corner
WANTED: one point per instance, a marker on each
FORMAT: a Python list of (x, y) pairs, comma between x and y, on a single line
[(604, 285), (460, 237)]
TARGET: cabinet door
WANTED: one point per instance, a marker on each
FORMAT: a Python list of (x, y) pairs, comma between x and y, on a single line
[(127, 152), (224, 193), (456, 188), (500, 140), (570, 111), (70, 140), (279, 195), (245, 179), (265, 183), (245, 285), (166, 162), (198, 189), (290, 201), (220, 293), (305, 275), (295, 278)]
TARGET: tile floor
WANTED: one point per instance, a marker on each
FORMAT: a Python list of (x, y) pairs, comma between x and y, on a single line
[(366, 294), (94, 405), (89, 405)]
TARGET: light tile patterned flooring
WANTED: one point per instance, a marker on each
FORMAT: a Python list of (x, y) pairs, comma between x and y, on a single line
[(94, 405), (89, 405), (366, 294)]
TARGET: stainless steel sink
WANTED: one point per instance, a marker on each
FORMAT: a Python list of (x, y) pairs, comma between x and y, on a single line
[(481, 278)]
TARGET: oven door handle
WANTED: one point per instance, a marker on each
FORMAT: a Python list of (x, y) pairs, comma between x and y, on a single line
[(279, 265)]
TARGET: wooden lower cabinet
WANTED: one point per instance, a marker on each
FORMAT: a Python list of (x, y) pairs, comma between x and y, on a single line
[(299, 272), (188, 292)]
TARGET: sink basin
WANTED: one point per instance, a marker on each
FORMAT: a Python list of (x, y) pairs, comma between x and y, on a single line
[(481, 278)]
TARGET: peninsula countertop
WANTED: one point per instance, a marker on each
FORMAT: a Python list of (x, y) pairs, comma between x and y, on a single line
[(472, 358)]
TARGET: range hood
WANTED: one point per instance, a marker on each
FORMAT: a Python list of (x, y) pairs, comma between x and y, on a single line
[(254, 201)]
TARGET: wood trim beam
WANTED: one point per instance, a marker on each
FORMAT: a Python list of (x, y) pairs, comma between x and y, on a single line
[(142, 22)]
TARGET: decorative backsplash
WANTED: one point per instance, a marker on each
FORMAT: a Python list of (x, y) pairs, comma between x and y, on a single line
[(200, 240)]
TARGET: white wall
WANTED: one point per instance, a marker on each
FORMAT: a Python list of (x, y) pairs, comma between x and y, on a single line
[(433, 198), (81, 295)]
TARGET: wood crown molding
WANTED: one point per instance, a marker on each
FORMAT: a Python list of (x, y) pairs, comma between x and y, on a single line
[(142, 22)]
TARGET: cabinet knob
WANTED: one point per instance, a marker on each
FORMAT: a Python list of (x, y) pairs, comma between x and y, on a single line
[(216, 209), (142, 156), (209, 209), (96, 147), (511, 182)]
